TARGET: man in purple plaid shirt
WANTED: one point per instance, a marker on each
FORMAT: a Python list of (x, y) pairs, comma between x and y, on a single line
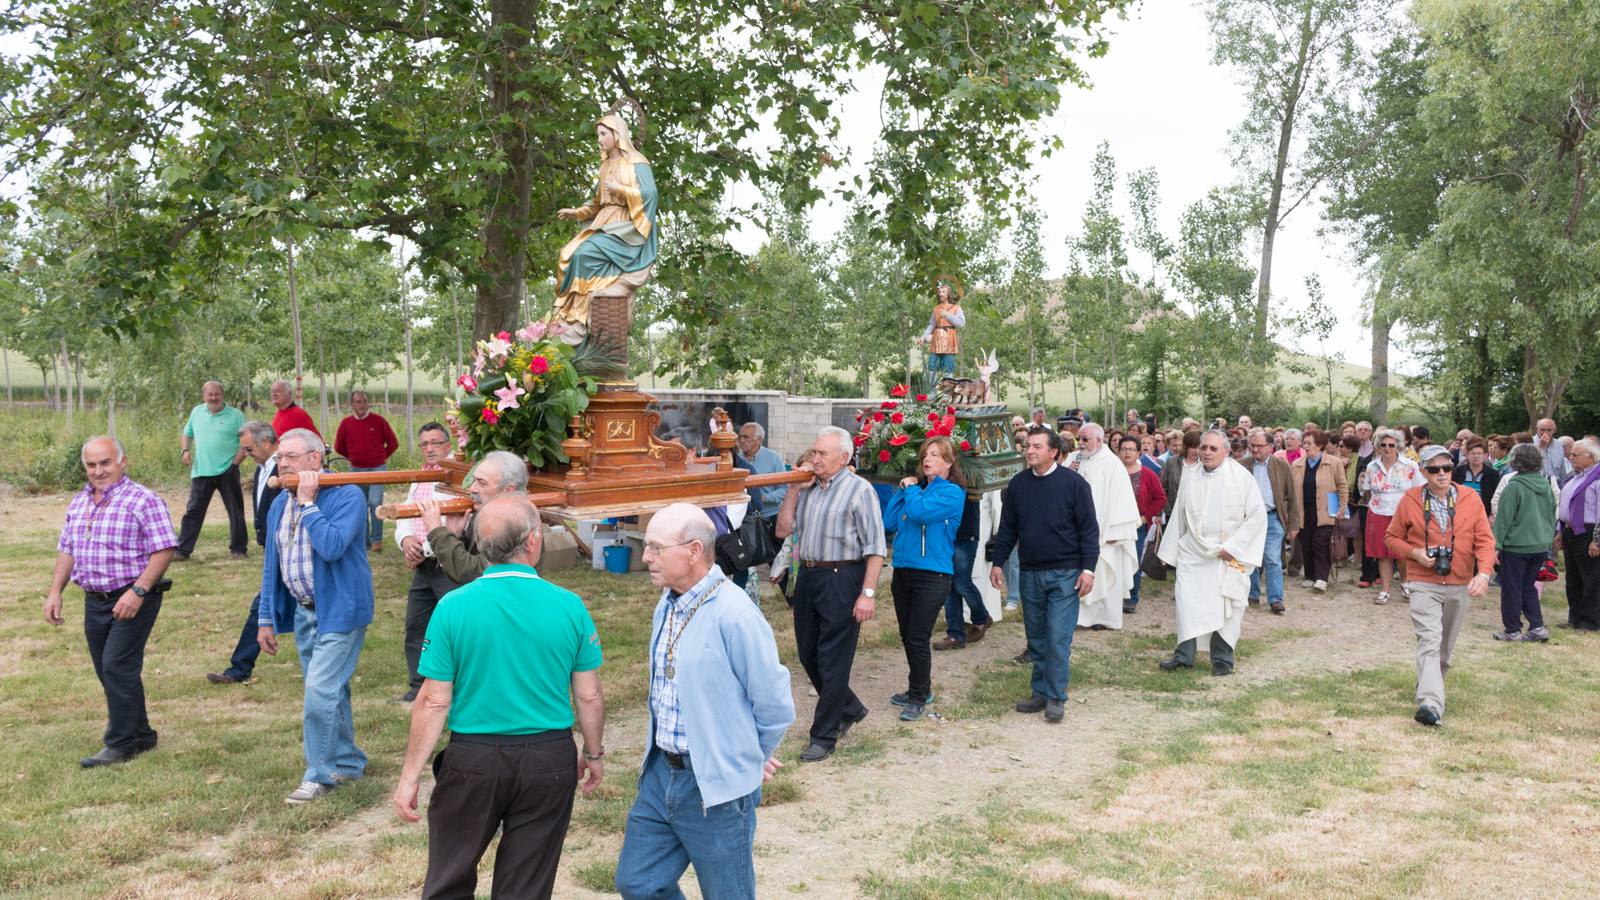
[(116, 545)]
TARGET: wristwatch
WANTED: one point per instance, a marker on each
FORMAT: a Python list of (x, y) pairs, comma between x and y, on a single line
[(869, 593), (139, 592), (594, 756)]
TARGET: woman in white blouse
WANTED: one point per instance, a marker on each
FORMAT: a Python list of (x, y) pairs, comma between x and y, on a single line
[(1385, 480)]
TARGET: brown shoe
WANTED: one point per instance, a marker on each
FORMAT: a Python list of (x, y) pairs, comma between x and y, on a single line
[(376, 547), (949, 643), (221, 678), (975, 632)]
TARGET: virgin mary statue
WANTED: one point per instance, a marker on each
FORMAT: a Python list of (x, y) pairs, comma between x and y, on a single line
[(615, 251)]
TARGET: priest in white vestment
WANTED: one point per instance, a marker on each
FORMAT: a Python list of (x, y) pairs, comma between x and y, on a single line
[(1117, 511), (1214, 539)]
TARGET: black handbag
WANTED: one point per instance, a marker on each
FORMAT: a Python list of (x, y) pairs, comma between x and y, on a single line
[(754, 543), (1151, 565)]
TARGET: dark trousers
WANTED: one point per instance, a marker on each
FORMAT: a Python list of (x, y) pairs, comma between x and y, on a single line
[(524, 792), (1316, 550), (1221, 651), (200, 491), (116, 646), (249, 646), (825, 635), (963, 590), (918, 596), (429, 584), (1583, 580), (1369, 564), (1518, 596)]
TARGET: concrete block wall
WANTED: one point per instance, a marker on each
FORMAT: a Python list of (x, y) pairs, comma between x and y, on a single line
[(792, 422)]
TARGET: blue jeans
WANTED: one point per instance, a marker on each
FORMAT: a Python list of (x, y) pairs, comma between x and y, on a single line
[(374, 500), (1013, 579), (1138, 571), (963, 590), (1272, 562), (941, 364), (668, 829), (328, 660), (1049, 616)]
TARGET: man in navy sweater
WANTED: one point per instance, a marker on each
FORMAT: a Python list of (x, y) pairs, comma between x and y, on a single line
[(1048, 516)]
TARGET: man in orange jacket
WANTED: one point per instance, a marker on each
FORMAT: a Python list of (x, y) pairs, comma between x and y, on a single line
[(1441, 533)]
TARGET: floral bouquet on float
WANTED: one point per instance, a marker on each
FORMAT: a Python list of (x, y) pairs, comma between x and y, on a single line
[(522, 391), (889, 438)]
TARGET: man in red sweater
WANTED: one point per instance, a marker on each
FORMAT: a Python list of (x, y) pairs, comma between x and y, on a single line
[(366, 439), (290, 415)]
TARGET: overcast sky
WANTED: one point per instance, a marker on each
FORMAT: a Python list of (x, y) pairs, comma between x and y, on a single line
[(1159, 101)]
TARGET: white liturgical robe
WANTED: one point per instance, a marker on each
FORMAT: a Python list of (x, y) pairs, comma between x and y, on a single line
[(1117, 512), (1216, 510)]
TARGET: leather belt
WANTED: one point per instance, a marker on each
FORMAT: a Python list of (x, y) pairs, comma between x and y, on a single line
[(830, 564), (677, 760), (512, 740)]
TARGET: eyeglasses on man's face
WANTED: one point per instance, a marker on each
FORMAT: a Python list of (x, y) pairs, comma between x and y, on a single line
[(439, 442), (1438, 470), (655, 549)]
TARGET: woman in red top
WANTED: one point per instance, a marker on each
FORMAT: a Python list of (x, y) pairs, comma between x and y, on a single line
[(1152, 500)]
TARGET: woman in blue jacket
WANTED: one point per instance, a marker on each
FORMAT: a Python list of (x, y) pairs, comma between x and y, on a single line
[(923, 516)]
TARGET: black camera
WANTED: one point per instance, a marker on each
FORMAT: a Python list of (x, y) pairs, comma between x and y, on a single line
[(1442, 557)]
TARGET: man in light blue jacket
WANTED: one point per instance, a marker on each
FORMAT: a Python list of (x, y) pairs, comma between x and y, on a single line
[(315, 582), (719, 706)]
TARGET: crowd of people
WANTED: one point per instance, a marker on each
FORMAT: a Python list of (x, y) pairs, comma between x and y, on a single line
[(507, 661)]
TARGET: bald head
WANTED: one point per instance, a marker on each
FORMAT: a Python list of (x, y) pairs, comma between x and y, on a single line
[(508, 530), (679, 546)]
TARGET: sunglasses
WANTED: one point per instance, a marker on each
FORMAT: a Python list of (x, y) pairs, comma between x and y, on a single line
[(1390, 444), (1438, 470)]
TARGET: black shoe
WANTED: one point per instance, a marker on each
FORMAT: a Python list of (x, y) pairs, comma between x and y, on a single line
[(815, 753), (1054, 710), (407, 697), (911, 713), (1255, 601), (1097, 627), (1427, 715), (1023, 659), (1129, 610), (845, 726), (1277, 608), (109, 756), (239, 555), (1221, 669), (1173, 662), (223, 678), (1033, 704), (904, 700)]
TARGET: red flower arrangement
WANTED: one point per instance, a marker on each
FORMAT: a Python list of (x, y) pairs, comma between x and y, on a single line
[(891, 436)]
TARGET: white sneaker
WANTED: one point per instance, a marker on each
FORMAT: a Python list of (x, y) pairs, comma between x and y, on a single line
[(1320, 586), (1011, 606), (307, 792), (1307, 583), (1382, 599)]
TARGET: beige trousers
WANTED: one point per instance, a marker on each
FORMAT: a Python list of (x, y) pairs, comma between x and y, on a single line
[(1437, 613)]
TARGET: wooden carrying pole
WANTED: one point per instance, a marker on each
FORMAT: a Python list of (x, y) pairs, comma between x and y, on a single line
[(393, 511), (450, 472)]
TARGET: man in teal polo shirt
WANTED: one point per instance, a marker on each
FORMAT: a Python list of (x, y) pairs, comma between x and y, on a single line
[(504, 659), (210, 446)]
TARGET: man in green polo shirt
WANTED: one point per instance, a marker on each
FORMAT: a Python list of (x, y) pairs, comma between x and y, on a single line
[(504, 659), (210, 446)]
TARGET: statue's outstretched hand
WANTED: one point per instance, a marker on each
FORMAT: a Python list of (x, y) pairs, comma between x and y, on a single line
[(566, 212)]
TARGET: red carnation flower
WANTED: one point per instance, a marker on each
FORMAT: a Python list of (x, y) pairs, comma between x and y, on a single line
[(860, 439), (504, 336), (899, 440), (889, 404), (949, 423), (949, 410), (897, 418), (933, 417), (878, 416), (490, 417), (883, 456), (922, 398), (467, 383), (538, 365), (900, 390), (966, 445)]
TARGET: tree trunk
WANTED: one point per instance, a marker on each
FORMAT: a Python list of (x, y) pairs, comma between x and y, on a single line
[(506, 229), (405, 317), (455, 315), (5, 356), (1378, 392), (294, 319), (1291, 103), (65, 374), (111, 397)]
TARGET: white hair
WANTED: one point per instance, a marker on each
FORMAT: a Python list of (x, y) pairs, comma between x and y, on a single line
[(122, 453), (1294, 431), (1381, 433), (513, 471), (305, 437), (846, 443), (1589, 446), (761, 433), (259, 431), (1091, 430)]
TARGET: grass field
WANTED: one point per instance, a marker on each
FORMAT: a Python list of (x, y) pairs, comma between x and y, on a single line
[(1302, 775)]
